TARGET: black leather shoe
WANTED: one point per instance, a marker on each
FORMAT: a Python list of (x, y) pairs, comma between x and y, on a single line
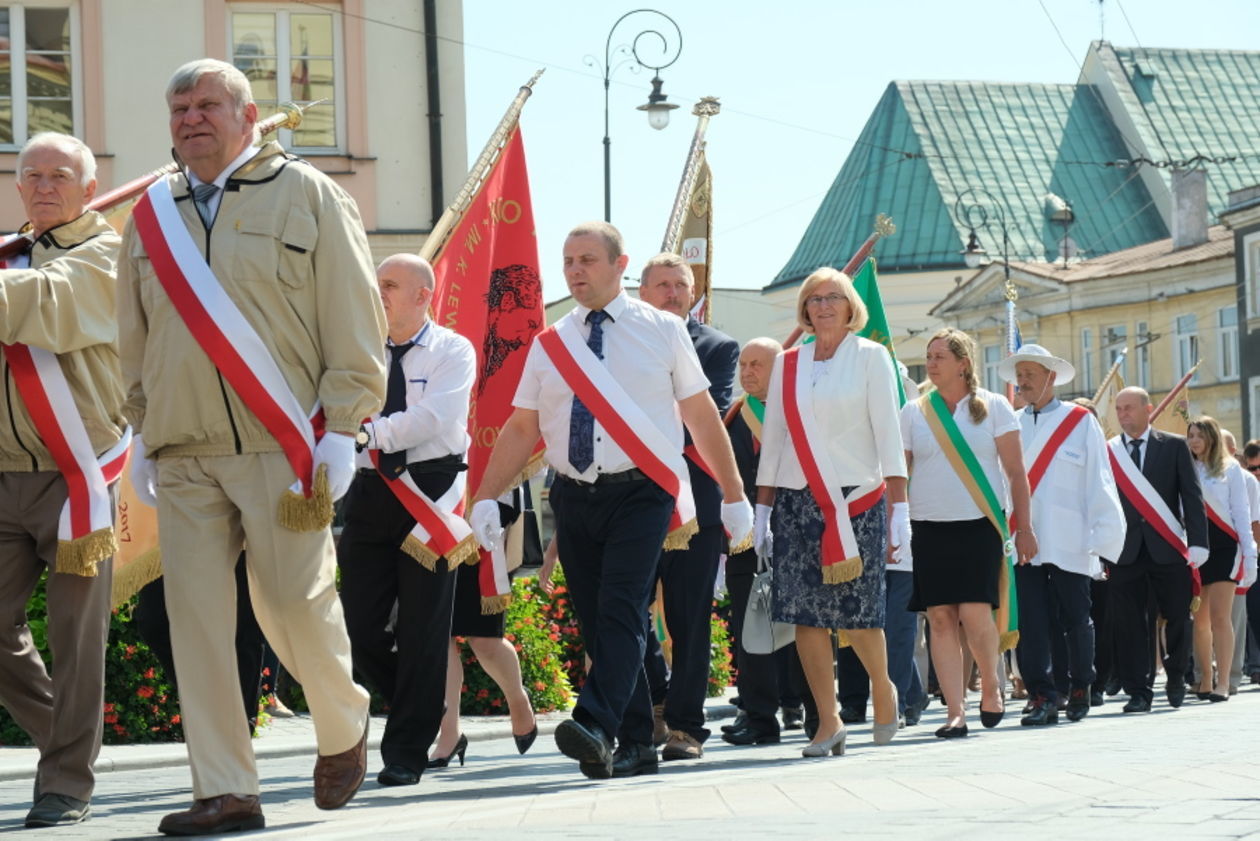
[(749, 735), (1176, 693), (991, 719), (740, 722), (632, 760), (1078, 704), (793, 718), (1096, 698), (461, 747), (524, 743), (1138, 704), (852, 715), (589, 745), (1043, 713), (948, 732), (57, 810), (397, 775), (1112, 687), (1216, 699)]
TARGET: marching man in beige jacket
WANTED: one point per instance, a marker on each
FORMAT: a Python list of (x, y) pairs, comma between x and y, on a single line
[(250, 327), (62, 407)]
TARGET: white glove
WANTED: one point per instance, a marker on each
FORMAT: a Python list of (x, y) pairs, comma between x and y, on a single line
[(763, 538), (336, 451), (738, 519), (901, 532), (1198, 556), (143, 473), (486, 524), (1249, 573)]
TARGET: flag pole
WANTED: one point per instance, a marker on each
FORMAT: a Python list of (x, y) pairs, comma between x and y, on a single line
[(480, 169), (705, 109), (1115, 367), (1181, 384), (884, 227)]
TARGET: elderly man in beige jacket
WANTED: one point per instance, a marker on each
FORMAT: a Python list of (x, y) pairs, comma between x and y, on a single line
[(250, 324)]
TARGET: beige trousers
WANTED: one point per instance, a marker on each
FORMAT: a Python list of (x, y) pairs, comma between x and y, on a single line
[(208, 509), (63, 714)]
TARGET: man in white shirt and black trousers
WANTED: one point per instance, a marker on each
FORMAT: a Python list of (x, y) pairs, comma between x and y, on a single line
[(637, 368), (421, 432)]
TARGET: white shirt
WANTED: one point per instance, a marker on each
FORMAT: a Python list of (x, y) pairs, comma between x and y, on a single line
[(221, 181), (440, 371), (1076, 511), (1145, 438), (1253, 494), (649, 354), (1230, 489), (936, 492), (855, 409)]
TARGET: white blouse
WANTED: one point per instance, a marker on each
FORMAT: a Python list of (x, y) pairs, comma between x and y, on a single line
[(855, 408), (1230, 489), (936, 492)]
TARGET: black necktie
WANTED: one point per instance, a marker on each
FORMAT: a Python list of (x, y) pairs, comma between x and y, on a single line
[(1135, 450), (393, 464), (202, 194), (581, 422)]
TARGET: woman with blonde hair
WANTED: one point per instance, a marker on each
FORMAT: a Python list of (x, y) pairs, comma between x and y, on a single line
[(832, 466), (963, 449), (1231, 559)]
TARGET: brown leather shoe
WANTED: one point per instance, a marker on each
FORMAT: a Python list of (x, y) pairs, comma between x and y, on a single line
[(681, 745), (212, 815), (339, 776), (660, 730)]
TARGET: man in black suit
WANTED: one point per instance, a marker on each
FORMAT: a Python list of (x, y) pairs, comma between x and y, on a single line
[(687, 575), (1149, 565)]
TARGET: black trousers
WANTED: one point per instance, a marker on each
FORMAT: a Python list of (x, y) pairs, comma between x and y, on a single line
[(609, 539), (1056, 633), (403, 660), (757, 675), (1130, 589), (1104, 636), (154, 626)]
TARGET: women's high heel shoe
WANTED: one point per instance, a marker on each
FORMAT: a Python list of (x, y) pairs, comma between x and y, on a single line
[(882, 734), (460, 748), (523, 743), (834, 745)]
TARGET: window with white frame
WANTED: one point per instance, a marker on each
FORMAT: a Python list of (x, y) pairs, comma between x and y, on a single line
[(1086, 374), (1186, 345), (992, 359), (1251, 274), (293, 53), (1142, 355), (1115, 341), (39, 88), (1227, 342), (1255, 408)]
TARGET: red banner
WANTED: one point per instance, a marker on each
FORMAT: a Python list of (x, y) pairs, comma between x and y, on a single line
[(490, 292)]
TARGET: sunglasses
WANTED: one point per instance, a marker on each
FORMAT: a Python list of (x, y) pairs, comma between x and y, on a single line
[(1253, 467)]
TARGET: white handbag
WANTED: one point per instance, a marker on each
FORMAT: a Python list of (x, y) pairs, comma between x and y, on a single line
[(762, 635)]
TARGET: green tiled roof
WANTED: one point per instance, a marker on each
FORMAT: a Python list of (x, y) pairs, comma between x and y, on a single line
[(928, 142)]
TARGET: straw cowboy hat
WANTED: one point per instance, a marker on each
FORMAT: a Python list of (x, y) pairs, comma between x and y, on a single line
[(1063, 370)]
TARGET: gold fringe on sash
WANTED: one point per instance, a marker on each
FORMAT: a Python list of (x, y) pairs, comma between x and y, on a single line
[(742, 547), (81, 555), (1195, 604), (465, 552), (313, 513), (1007, 640), (680, 538), (130, 578), (845, 571), (842, 639), (495, 604)]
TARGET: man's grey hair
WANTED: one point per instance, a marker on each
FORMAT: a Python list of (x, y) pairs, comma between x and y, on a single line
[(765, 343), (69, 144), (186, 77), (667, 259)]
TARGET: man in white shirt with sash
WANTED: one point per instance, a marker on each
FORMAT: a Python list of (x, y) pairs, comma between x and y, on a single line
[(1077, 515), (62, 444), (1165, 537), (402, 538), (252, 348), (609, 389)]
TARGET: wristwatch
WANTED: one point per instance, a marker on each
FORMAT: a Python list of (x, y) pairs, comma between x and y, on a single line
[(361, 439)]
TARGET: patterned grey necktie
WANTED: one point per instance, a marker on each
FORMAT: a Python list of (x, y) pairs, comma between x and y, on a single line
[(202, 194)]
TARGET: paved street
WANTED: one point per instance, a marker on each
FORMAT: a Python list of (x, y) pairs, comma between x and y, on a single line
[(1186, 774)]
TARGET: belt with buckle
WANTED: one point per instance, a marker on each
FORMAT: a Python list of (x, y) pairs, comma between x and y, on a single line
[(634, 474)]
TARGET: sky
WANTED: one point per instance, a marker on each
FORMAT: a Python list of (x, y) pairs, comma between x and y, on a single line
[(797, 81)]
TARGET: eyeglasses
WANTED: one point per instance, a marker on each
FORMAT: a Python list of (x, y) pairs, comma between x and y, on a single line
[(833, 299), (1253, 467)]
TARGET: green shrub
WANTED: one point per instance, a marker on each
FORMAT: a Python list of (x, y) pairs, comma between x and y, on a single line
[(721, 674)]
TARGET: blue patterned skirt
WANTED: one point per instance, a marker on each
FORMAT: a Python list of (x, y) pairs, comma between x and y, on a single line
[(800, 596)]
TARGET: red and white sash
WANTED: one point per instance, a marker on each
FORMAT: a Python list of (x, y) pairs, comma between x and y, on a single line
[(1041, 450), (839, 544), (1219, 515), (1137, 489), (230, 341), (441, 530), (648, 447)]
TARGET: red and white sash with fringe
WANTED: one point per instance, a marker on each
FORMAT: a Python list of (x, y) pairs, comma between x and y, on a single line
[(1041, 449), (441, 530), (839, 544), (1219, 516), (223, 332), (622, 418), (1141, 494)]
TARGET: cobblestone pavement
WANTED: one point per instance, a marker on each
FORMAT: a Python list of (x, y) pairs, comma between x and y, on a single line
[(1192, 773)]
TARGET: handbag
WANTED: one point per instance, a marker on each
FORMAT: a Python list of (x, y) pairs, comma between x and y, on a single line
[(762, 635)]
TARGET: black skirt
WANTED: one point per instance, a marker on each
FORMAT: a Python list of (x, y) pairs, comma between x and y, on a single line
[(955, 562), (467, 620), (1222, 551)]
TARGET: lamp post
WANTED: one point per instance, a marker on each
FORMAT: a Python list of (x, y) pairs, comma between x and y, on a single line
[(657, 107), (973, 209)]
